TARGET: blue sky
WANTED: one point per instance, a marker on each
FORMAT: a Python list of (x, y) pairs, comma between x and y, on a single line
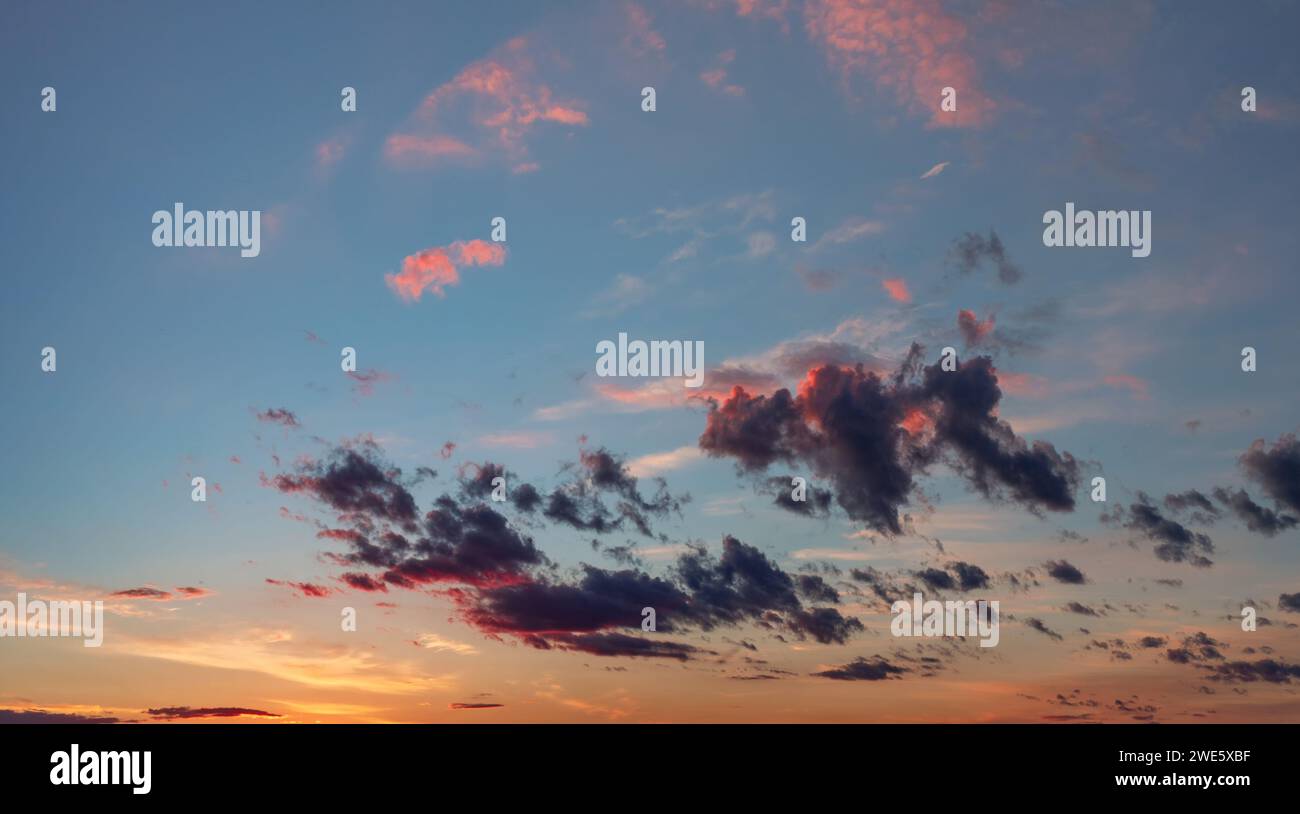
[(673, 224)]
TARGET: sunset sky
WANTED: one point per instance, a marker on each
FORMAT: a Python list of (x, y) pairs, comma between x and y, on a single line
[(329, 489)]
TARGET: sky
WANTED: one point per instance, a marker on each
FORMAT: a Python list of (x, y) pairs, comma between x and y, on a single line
[(370, 489)]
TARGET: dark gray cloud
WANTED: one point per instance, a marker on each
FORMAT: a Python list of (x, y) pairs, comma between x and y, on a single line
[(1276, 469), (40, 716), (1174, 541), (1082, 609), (1063, 571), (186, 713), (861, 669), (1041, 627), (971, 251), (1257, 518), (1203, 511), (848, 426)]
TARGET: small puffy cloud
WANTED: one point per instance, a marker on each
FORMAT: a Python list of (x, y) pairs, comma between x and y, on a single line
[(439, 267), (896, 288)]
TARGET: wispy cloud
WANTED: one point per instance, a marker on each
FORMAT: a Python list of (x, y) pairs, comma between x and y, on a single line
[(276, 653), (517, 440), (716, 76), (912, 48), (935, 170), (849, 231), (656, 463), (708, 221), (433, 641), (626, 291), (489, 109)]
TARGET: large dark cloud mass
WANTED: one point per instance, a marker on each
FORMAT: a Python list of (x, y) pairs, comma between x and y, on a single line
[(505, 586), (866, 438), (451, 543), (869, 437), (701, 592), (598, 600)]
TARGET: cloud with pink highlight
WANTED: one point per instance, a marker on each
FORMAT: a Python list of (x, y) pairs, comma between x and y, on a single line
[(488, 110), (896, 288), (912, 48), (433, 270)]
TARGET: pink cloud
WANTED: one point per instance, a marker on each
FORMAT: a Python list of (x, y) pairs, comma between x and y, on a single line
[(307, 589), (771, 9), (1278, 110), (400, 145), (656, 463), (913, 48), (155, 594), (657, 395), (935, 170), (288, 515), (517, 440), (435, 269), (158, 595), (1138, 387), (329, 153), (278, 415), (716, 77), (642, 39), (972, 330), (490, 107), (1023, 384), (273, 220), (896, 288), (367, 379), (662, 394)]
